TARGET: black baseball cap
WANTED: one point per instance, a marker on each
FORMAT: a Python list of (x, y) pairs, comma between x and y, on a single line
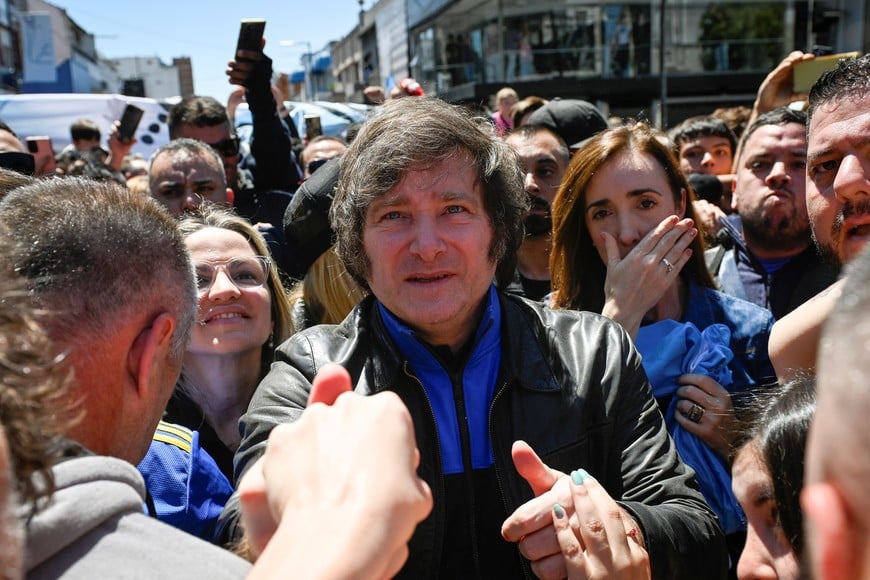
[(574, 120)]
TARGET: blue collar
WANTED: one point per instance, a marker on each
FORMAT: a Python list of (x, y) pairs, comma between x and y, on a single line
[(406, 338)]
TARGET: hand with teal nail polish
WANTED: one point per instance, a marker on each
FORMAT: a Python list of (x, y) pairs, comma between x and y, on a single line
[(602, 544), (579, 476), (573, 527)]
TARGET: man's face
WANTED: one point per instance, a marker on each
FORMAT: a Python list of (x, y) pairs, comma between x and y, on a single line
[(544, 163), (770, 188), (505, 105), (838, 177), (428, 243), (709, 155), (181, 181), (86, 144), (218, 136)]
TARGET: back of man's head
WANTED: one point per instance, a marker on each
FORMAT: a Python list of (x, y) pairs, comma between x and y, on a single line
[(415, 134), (93, 252), (835, 500), (197, 111), (106, 264)]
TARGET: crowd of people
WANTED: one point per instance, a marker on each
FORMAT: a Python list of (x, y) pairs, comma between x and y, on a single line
[(539, 342)]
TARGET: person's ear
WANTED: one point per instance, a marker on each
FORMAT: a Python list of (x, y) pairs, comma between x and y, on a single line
[(830, 541), (149, 354), (681, 207)]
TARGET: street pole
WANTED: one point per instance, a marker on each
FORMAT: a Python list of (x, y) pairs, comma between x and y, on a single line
[(663, 73), (309, 90)]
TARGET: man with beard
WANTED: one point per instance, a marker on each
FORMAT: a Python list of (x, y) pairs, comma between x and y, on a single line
[(544, 158), (838, 200), (766, 254)]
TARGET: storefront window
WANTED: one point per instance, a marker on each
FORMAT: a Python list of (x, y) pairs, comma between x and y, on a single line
[(612, 40)]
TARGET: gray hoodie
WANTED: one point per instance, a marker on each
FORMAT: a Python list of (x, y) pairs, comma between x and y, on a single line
[(94, 527)]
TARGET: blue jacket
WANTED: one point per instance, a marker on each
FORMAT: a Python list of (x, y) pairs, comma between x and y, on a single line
[(750, 327), (188, 489), (722, 337)]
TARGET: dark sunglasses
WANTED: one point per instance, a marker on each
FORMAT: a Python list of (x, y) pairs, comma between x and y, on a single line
[(315, 165), (227, 147), (17, 161)]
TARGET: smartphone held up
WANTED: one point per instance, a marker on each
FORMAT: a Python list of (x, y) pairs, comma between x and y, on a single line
[(129, 122), (251, 34), (807, 72)]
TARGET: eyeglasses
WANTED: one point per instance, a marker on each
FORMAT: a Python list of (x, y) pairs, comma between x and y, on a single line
[(245, 273), (227, 147)]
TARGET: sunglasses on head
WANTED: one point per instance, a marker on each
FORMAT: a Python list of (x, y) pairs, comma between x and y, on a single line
[(227, 147), (315, 165)]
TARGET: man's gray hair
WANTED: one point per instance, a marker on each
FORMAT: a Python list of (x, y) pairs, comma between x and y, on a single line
[(193, 147), (416, 134)]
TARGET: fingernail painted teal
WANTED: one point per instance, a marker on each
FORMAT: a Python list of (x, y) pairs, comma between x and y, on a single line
[(580, 476), (559, 511)]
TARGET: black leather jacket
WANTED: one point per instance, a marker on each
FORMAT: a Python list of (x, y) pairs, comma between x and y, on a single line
[(572, 386)]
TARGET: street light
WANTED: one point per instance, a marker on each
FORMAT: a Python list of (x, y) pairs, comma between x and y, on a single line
[(308, 91)]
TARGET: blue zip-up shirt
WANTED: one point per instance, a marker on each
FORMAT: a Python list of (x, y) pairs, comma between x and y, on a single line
[(479, 376)]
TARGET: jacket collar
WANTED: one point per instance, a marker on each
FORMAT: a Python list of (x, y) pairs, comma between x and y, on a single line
[(524, 338)]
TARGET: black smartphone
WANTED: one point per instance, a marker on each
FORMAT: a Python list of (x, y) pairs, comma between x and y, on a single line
[(251, 34), (313, 128), (129, 122)]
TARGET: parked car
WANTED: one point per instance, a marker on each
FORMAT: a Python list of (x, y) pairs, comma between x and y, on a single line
[(51, 114), (334, 117)]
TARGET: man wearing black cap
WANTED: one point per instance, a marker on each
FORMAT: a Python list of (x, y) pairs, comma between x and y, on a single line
[(544, 158), (573, 120)]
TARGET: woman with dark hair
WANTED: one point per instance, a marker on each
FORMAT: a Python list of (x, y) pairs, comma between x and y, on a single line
[(774, 441), (625, 244)]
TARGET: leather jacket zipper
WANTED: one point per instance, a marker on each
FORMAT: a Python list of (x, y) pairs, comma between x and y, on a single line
[(439, 467), (527, 571)]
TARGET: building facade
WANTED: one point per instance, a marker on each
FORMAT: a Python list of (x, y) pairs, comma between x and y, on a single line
[(43, 50), (142, 76), (614, 53)]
